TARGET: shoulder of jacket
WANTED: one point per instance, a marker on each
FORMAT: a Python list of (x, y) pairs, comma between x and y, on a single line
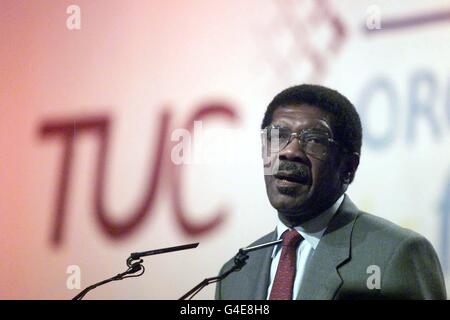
[(376, 227)]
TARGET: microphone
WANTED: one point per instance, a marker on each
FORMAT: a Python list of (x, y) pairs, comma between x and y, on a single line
[(240, 259), (134, 263), (137, 255), (260, 246)]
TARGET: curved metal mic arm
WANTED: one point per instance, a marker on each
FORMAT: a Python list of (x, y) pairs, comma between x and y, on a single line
[(239, 262), (134, 263), (240, 259), (132, 269), (131, 262)]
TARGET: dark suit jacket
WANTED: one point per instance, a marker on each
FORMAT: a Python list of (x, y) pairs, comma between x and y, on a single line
[(354, 240)]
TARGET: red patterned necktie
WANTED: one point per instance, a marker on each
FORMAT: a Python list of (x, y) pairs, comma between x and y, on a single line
[(285, 276)]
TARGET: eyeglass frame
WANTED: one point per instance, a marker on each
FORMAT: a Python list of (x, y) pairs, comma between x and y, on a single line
[(300, 139)]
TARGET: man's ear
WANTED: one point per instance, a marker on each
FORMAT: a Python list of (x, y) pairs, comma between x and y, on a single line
[(350, 163)]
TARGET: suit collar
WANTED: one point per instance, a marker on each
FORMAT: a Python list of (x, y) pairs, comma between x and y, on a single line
[(322, 279)]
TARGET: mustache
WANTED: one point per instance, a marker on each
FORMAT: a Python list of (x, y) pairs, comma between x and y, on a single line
[(294, 169)]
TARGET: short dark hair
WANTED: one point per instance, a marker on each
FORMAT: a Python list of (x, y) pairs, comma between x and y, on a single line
[(346, 124)]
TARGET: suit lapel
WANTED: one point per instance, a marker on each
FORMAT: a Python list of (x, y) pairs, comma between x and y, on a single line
[(321, 279)]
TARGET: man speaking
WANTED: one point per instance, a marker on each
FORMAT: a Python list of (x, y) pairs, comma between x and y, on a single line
[(311, 139)]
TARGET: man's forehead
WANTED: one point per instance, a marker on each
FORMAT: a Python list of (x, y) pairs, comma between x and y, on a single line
[(302, 115)]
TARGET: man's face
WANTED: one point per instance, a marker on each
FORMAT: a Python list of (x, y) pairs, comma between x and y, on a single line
[(303, 184)]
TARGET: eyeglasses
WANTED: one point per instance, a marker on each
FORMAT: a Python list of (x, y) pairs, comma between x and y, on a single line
[(312, 141)]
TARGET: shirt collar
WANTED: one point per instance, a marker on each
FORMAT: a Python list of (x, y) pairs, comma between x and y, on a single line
[(312, 230)]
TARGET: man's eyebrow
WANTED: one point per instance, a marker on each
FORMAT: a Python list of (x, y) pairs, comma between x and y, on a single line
[(280, 123), (318, 128)]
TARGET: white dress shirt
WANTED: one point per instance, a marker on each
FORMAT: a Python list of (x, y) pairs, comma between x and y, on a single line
[(311, 231)]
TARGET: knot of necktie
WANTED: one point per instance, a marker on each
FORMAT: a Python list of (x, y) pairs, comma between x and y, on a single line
[(291, 238)]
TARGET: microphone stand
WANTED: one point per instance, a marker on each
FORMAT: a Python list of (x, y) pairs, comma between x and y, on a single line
[(134, 263), (127, 274), (240, 259)]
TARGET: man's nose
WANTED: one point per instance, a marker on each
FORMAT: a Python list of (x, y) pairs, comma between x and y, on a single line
[(293, 151)]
